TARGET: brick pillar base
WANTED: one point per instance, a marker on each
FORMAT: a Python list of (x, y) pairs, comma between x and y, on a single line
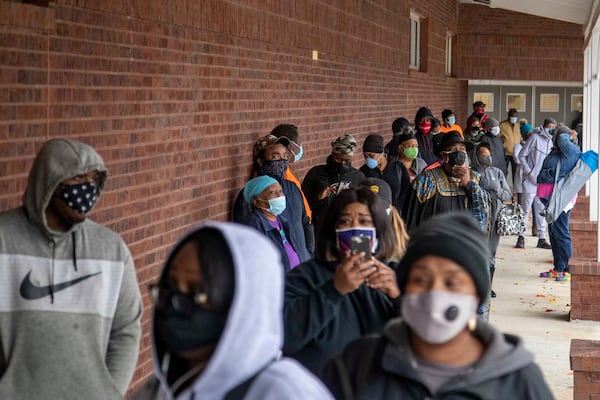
[(585, 363), (585, 289)]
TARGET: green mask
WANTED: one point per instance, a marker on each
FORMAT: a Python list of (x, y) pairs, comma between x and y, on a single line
[(411, 152)]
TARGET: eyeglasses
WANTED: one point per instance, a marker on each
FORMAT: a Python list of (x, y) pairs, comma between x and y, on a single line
[(164, 297)]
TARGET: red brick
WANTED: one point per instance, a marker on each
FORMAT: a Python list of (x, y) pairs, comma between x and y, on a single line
[(173, 98)]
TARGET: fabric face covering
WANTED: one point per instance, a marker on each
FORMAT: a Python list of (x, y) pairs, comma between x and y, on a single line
[(425, 127), (438, 316), (457, 157), (274, 168), (495, 130), (451, 120), (344, 238), (80, 197), (411, 152), (485, 161)]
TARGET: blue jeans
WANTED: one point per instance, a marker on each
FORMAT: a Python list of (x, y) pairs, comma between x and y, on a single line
[(560, 239)]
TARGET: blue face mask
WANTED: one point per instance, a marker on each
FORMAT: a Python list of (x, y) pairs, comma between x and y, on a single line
[(513, 120), (371, 163), (451, 120), (298, 156), (276, 205)]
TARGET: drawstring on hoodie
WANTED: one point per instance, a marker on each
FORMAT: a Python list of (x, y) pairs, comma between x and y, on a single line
[(74, 250), (52, 273)]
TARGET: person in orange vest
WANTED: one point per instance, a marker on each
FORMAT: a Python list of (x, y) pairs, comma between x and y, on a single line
[(449, 123)]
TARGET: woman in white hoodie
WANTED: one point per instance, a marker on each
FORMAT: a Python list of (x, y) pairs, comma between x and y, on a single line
[(218, 322)]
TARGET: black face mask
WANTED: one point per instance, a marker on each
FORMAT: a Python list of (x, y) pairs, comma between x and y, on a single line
[(339, 168), (80, 197), (275, 168), (457, 158), (180, 332)]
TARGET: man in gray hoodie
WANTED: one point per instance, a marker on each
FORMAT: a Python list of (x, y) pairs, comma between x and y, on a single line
[(70, 305)]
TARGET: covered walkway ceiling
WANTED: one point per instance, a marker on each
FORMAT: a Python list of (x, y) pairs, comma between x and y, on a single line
[(575, 11)]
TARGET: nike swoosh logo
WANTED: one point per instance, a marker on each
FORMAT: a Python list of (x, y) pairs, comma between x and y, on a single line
[(31, 292)]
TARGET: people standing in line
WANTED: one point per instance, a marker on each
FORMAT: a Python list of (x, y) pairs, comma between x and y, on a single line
[(271, 158), (423, 125), (532, 156), (561, 161), (473, 131), (450, 186), (296, 149), (408, 149), (217, 328), (479, 112), (439, 348), (510, 133), (391, 148), (492, 138), (494, 182), (70, 306), (449, 123), (268, 202), (390, 169), (343, 293), (323, 182)]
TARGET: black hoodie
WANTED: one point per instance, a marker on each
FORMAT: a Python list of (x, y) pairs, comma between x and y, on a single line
[(424, 139)]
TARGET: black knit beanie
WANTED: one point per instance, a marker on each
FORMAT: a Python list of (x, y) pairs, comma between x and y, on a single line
[(373, 144), (453, 235)]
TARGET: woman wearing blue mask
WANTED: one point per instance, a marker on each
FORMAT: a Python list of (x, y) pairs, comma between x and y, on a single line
[(342, 294), (439, 348), (268, 202)]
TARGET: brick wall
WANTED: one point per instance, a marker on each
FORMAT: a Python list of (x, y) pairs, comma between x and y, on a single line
[(173, 98), (499, 44)]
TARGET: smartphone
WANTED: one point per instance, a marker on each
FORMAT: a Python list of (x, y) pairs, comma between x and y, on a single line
[(361, 244)]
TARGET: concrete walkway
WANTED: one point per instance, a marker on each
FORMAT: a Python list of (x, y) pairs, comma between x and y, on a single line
[(537, 309)]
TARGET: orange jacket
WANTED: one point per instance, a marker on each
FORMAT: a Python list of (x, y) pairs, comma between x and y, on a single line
[(290, 176)]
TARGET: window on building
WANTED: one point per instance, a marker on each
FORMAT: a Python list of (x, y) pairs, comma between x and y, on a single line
[(415, 41), (449, 39)]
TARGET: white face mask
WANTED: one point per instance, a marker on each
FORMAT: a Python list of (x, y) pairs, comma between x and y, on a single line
[(438, 316), (495, 130)]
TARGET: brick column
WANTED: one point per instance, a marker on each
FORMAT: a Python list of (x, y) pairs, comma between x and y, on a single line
[(585, 363)]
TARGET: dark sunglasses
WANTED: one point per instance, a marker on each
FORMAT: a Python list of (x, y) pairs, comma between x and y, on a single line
[(165, 297)]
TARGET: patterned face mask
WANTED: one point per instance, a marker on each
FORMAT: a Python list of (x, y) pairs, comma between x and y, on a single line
[(80, 197)]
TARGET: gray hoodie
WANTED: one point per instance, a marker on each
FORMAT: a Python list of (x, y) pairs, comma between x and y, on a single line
[(532, 155), (250, 345), (70, 305)]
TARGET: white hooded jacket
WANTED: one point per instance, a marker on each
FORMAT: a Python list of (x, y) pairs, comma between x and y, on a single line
[(251, 342)]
